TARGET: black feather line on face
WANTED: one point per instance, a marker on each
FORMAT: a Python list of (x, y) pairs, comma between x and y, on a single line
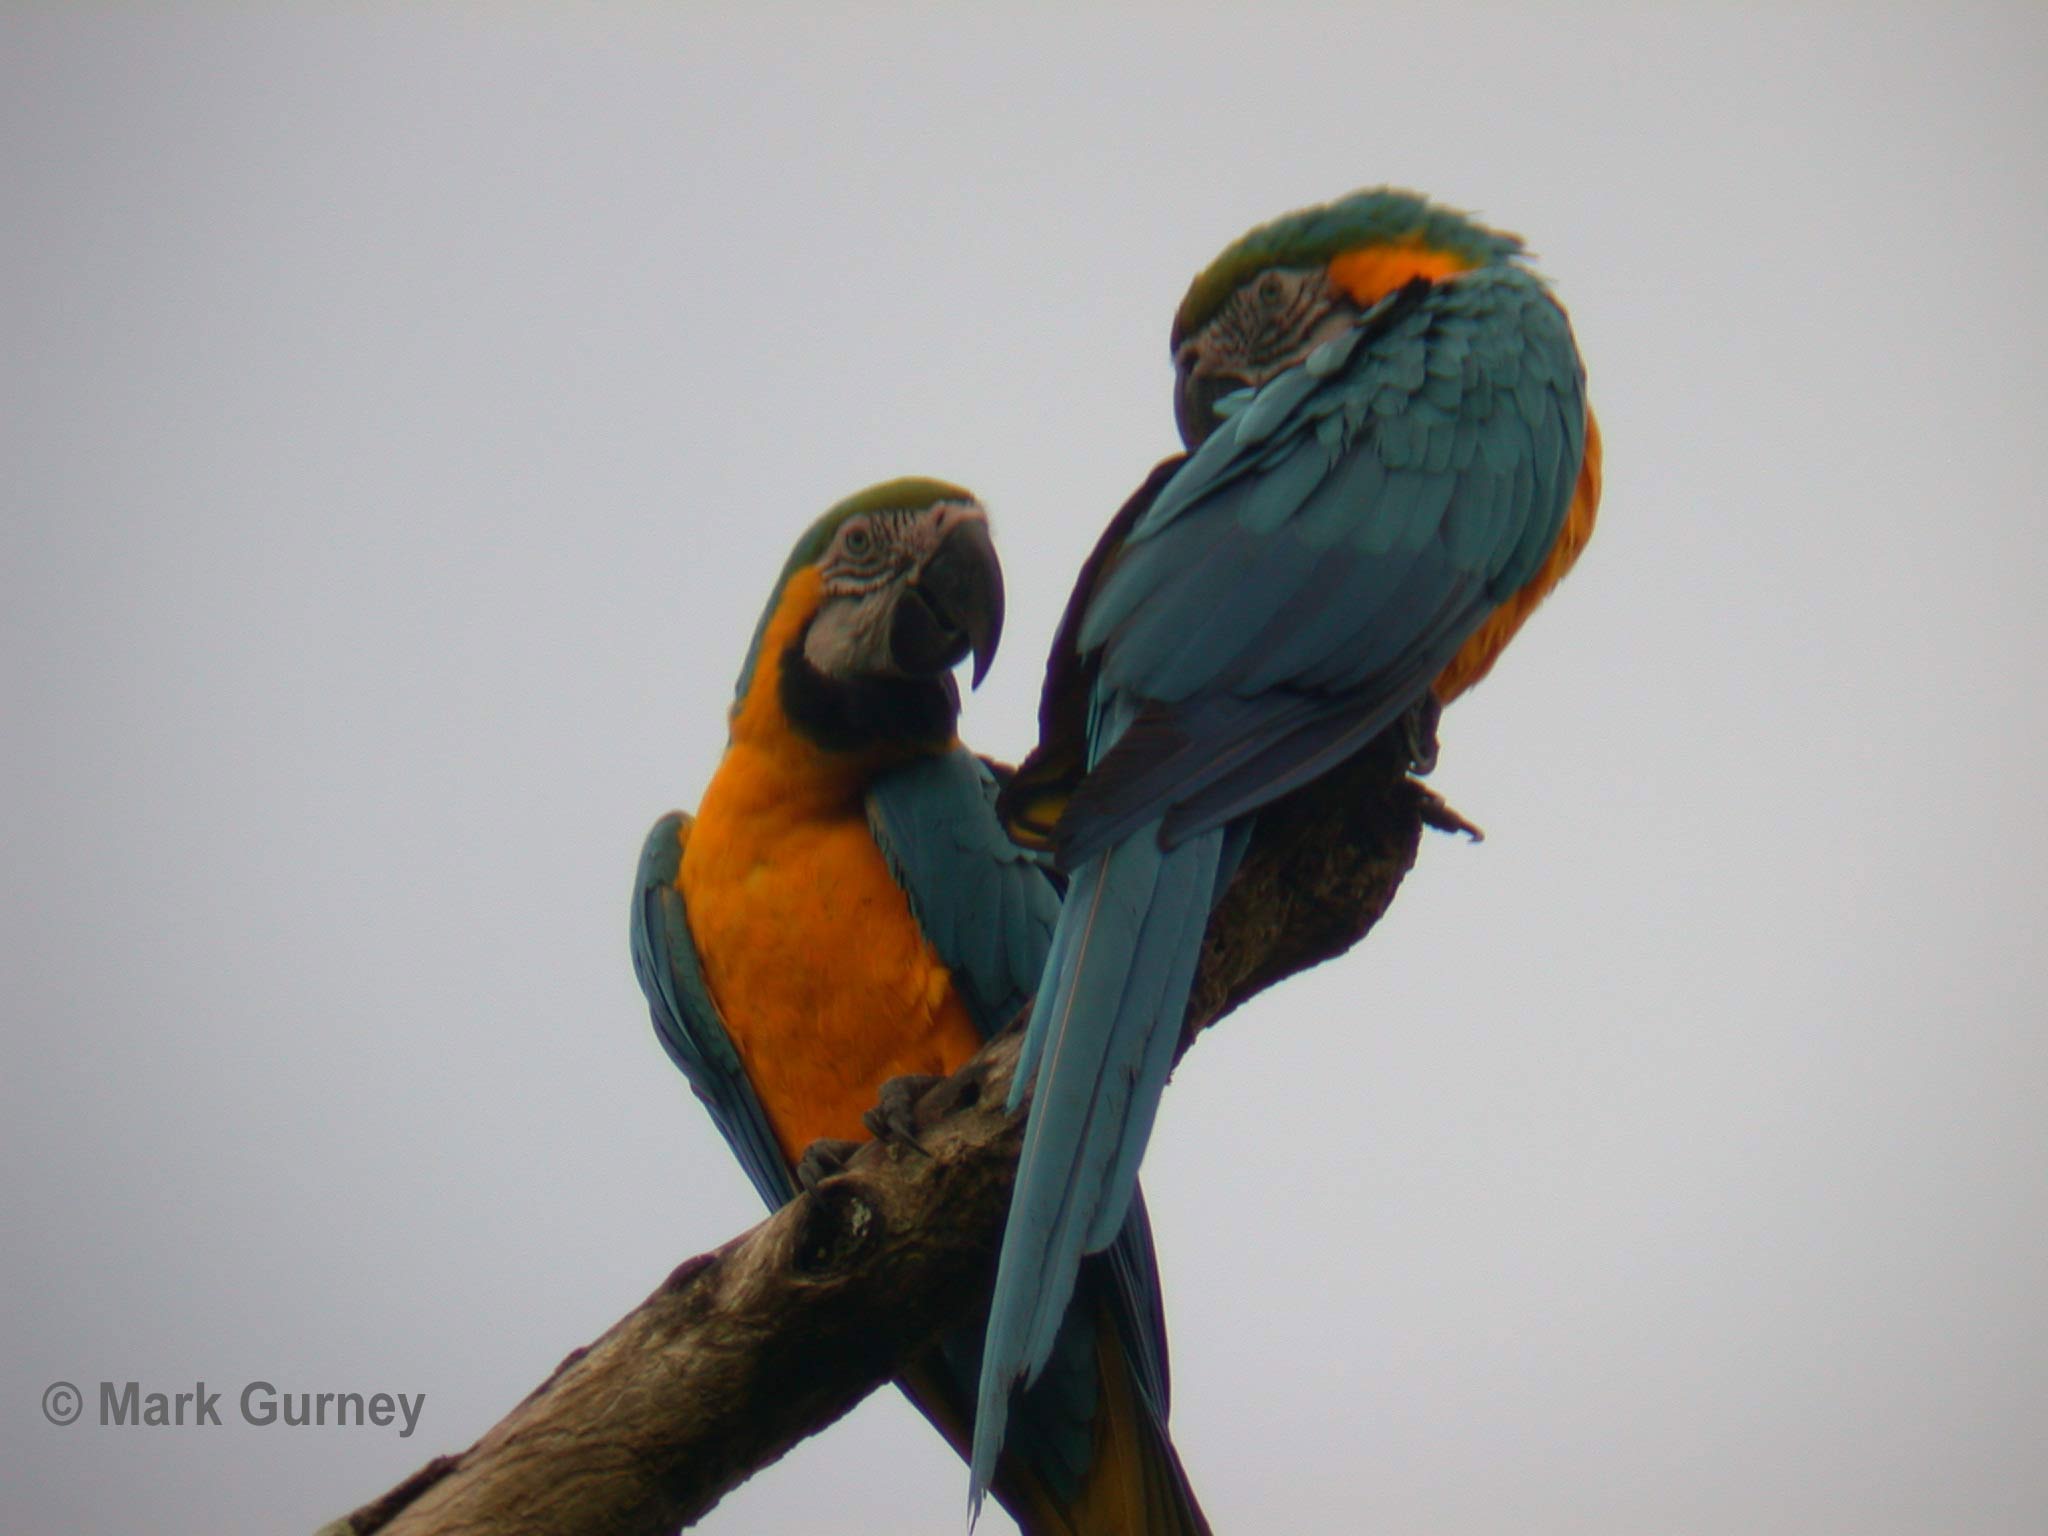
[(849, 714)]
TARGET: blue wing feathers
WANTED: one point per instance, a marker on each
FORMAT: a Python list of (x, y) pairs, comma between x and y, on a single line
[(1162, 973), (1232, 538), (1272, 405), (1177, 659), (686, 1020), (1330, 516), (1141, 570), (1271, 764), (1274, 498), (1313, 626), (984, 903), (1134, 1273), (1331, 355)]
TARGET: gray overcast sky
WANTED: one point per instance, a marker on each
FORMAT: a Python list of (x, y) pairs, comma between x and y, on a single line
[(404, 416)]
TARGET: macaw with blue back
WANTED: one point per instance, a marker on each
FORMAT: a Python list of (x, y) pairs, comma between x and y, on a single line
[(845, 911), (1390, 462)]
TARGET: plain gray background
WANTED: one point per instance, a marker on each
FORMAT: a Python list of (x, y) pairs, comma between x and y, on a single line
[(405, 415)]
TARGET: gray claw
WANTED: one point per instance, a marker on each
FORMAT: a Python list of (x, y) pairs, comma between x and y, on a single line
[(1419, 726), (823, 1158), (894, 1117)]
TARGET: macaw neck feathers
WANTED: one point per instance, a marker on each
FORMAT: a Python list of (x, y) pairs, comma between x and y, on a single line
[(901, 716)]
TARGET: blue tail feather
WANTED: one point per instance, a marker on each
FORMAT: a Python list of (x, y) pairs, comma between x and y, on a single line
[(1097, 1049), (1162, 973)]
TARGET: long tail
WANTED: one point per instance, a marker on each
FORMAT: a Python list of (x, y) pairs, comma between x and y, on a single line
[(1089, 1454), (1097, 1051), (1136, 1481)]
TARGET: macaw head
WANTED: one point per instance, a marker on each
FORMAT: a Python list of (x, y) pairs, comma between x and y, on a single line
[(894, 586), (1281, 290)]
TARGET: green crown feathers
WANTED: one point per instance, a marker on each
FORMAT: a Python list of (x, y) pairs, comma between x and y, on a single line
[(1310, 236)]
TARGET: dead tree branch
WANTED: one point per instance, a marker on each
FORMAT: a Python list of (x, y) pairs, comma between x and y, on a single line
[(745, 1350)]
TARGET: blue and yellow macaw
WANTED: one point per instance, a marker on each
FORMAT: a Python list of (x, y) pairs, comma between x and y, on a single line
[(845, 910), (1390, 463)]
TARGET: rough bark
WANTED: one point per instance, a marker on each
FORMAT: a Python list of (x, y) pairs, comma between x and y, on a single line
[(743, 1351)]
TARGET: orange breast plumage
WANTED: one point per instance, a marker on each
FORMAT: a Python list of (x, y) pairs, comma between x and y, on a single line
[(824, 980)]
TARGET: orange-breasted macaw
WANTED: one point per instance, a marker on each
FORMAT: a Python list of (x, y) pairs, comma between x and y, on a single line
[(844, 910), (1390, 463)]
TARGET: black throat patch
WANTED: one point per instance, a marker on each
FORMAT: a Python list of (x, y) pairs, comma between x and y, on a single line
[(849, 714)]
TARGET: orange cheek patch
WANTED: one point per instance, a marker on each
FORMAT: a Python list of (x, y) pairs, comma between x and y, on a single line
[(1372, 273)]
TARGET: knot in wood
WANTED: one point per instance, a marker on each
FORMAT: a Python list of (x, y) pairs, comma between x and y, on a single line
[(839, 1225)]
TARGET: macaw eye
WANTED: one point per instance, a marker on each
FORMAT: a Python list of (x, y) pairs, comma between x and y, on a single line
[(1271, 290), (858, 540)]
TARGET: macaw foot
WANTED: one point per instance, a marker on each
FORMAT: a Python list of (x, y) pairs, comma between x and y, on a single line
[(1438, 814), (823, 1158), (1418, 725), (894, 1117)]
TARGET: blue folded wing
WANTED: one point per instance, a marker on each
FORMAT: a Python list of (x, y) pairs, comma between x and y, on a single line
[(686, 1020), (1324, 554), (985, 904)]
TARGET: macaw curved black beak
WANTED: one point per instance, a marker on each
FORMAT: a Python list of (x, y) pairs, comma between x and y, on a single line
[(952, 606), (1195, 394)]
